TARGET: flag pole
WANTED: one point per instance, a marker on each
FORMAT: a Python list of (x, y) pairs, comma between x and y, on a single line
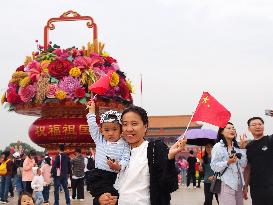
[(183, 135)]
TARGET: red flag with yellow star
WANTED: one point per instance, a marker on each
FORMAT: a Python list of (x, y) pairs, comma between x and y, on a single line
[(211, 111)]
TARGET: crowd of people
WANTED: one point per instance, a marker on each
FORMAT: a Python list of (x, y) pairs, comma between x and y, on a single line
[(35, 175), (126, 168)]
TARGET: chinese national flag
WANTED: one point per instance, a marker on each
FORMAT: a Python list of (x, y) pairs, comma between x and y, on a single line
[(211, 111)]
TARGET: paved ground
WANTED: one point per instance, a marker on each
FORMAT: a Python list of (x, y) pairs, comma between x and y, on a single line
[(180, 197)]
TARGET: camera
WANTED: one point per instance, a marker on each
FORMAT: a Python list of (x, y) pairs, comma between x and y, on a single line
[(238, 155)]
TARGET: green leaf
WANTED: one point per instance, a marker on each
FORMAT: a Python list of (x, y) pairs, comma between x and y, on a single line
[(70, 58), (7, 105), (82, 100), (87, 95), (56, 46), (54, 80)]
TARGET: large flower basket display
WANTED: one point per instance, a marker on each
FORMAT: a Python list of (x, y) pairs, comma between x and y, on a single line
[(55, 83)]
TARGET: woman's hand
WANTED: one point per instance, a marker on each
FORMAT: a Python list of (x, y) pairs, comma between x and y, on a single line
[(176, 148), (243, 141), (232, 159), (211, 178), (108, 199), (245, 192)]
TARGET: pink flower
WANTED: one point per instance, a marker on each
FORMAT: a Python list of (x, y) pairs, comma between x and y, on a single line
[(34, 69), (84, 62), (61, 53), (27, 93), (69, 85), (51, 90)]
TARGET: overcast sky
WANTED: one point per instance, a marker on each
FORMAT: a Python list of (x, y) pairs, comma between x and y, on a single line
[(181, 47)]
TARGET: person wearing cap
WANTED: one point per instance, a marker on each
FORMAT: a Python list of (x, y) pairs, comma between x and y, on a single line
[(112, 152), (18, 166)]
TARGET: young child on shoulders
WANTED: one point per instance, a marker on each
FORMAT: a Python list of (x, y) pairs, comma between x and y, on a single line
[(37, 185), (112, 152)]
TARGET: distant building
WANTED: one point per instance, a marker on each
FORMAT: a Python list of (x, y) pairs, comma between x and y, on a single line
[(169, 128)]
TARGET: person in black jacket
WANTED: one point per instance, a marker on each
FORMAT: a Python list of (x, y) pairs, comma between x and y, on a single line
[(151, 175), (60, 172)]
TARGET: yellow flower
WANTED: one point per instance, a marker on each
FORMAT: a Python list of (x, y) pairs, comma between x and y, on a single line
[(3, 98), (130, 86), (114, 79), (75, 72), (60, 94), (44, 65), (105, 54), (27, 60), (18, 76), (84, 78), (24, 82)]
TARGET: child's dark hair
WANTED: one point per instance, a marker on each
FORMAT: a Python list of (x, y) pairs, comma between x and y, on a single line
[(254, 118), (21, 195), (48, 160), (220, 136), (138, 110)]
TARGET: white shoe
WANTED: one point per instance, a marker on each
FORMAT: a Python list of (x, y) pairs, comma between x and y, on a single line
[(194, 187), (81, 199)]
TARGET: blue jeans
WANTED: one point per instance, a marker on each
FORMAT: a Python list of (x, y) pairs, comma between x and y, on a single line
[(183, 176), (46, 193), (58, 181), (38, 197), (5, 183), (19, 184)]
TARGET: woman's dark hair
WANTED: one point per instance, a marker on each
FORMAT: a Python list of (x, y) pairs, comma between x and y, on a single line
[(205, 158), (220, 136), (32, 153), (138, 110), (6, 154), (21, 195)]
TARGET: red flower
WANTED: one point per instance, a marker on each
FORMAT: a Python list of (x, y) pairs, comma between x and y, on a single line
[(124, 90), (20, 68), (13, 97), (59, 68), (79, 92), (110, 59)]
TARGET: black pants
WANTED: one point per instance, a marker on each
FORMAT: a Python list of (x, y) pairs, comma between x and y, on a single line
[(87, 176), (209, 195), (191, 175), (27, 187), (77, 188), (102, 181), (261, 195)]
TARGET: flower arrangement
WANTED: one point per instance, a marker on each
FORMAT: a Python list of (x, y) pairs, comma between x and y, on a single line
[(59, 74)]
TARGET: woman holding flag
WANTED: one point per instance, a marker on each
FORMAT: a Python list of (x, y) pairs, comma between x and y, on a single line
[(228, 159)]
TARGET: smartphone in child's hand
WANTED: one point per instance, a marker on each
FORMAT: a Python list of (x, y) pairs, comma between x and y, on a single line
[(109, 158)]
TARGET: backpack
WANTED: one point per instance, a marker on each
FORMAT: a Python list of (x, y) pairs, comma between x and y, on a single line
[(3, 168), (90, 163)]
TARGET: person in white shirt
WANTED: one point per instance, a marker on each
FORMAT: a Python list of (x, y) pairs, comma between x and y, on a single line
[(151, 175), (37, 185)]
